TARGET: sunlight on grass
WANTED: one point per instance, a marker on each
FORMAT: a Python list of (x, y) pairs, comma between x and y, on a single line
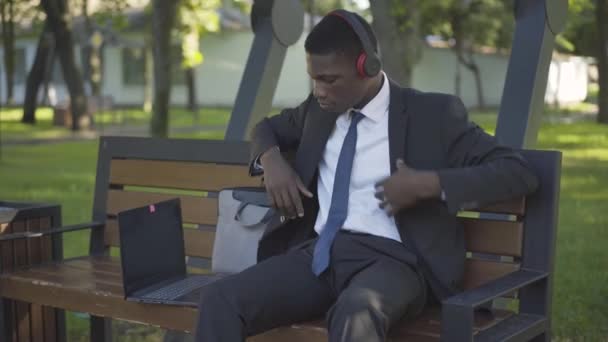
[(15, 114)]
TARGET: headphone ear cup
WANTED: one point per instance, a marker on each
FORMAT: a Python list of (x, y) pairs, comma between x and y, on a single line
[(361, 61), (372, 65)]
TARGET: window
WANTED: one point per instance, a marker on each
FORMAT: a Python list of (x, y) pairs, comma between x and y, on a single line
[(133, 66), (20, 69)]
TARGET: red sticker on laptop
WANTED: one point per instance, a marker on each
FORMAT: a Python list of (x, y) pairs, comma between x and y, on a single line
[(152, 208)]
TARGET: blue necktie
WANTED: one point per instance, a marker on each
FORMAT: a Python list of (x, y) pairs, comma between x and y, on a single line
[(339, 199)]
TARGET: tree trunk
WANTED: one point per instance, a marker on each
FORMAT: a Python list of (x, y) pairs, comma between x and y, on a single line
[(463, 45), (48, 73), (163, 19), (37, 74), (398, 37), (57, 16), (471, 64), (601, 12), (458, 79), (8, 41), (191, 82), (473, 67), (481, 102), (86, 49)]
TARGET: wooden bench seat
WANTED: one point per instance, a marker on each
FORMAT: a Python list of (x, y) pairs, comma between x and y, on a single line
[(510, 247), (93, 284)]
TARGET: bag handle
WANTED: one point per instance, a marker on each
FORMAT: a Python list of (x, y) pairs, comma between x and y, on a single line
[(264, 220)]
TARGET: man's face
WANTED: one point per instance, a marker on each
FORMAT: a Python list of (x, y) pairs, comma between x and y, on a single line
[(337, 86)]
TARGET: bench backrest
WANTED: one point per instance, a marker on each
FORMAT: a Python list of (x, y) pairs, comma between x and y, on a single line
[(133, 172), (520, 233), (137, 171)]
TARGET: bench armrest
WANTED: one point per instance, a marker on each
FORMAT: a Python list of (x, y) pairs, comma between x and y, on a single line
[(457, 313), (52, 231)]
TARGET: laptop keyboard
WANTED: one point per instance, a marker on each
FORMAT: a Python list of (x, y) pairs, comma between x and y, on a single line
[(180, 288)]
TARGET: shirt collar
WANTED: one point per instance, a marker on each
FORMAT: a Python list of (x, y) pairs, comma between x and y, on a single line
[(378, 106)]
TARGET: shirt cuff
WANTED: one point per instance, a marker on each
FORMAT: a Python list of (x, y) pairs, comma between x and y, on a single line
[(257, 168), (256, 164)]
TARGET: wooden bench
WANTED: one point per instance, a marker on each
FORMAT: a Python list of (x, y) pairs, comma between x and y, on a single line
[(137, 171)]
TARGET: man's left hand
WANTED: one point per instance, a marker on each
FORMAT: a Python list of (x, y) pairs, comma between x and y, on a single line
[(404, 188)]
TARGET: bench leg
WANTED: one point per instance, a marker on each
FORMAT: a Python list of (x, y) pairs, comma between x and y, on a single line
[(6, 326), (101, 329), (61, 326), (536, 299)]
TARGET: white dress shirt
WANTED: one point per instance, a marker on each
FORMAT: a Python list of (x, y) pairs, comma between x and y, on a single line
[(371, 164)]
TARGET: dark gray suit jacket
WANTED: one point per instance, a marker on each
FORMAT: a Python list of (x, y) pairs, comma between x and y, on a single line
[(429, 131)]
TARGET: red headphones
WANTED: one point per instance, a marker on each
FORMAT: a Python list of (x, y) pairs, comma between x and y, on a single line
[(368, 62)]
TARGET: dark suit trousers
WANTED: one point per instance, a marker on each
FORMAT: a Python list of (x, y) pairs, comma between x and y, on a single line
[(371, 283)]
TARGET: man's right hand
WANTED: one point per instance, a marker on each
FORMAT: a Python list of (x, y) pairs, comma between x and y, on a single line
[(283, 185)]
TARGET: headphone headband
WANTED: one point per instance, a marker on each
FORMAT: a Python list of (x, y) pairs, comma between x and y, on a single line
[(369, 65)]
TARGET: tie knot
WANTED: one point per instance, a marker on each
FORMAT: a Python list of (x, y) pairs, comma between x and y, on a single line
[(356, 117)]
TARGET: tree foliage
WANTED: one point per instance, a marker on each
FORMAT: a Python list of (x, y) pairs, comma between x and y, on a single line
[(194, 19), (586, 34), (580, 35)]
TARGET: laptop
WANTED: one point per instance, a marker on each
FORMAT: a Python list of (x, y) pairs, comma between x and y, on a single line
[(153, 256)]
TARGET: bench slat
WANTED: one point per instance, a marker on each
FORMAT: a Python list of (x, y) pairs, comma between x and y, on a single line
[(512, 207), (180, 175), (104, 268), (75, 279), (198, 210), (81, 291), (493, 237), (425, 328), (198, 243), (478, 272)]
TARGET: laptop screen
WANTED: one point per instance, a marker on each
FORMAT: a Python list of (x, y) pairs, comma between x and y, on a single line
[(151, 245)]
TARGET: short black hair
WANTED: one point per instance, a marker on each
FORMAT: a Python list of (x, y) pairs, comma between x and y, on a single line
[(334, 34)]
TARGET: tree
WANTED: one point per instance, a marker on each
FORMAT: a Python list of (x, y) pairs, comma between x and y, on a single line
[(107, 14), (397, 24), (58, 19), (163, 21), (321, 8), (601, 15), (7, 12), (37, 73), (469, 25), (12, 12), (586, 34), (195, 19)]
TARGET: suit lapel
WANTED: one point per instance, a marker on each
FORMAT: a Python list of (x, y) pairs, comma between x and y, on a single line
[(320, 125), (397, 124)]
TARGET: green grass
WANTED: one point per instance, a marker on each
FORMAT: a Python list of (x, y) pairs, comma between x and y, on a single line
[(12, 129), (64, 173)]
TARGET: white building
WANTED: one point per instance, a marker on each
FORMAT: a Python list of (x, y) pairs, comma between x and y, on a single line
[(226, 53)]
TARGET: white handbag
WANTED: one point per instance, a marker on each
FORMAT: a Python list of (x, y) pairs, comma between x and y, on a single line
[(243, 217)]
